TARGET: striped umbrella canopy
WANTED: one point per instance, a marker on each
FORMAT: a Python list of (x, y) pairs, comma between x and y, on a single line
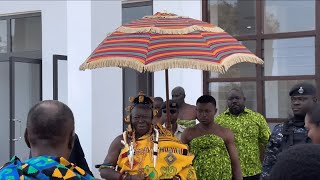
[(165, 41)]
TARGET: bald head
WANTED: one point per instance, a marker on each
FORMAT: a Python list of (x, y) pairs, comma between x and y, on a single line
[(178, 95), (51, 122), (178, 89)]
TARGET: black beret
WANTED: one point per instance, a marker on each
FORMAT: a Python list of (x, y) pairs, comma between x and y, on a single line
[(172, 104), (302, 89)]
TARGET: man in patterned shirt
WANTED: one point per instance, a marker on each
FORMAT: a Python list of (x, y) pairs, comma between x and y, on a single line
[(50, 136), (251, 132), (293, 131)]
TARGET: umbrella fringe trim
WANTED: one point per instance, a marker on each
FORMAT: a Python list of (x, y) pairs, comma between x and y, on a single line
[(173, 63), (186, 64), (240, 58), (204, 65), (158, 30), (114, 62)]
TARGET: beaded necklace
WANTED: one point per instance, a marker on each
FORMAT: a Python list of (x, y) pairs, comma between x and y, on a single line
[(133, 148)]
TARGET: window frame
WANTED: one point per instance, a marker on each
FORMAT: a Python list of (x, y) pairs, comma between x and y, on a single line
[(28, 54), (259, 37)]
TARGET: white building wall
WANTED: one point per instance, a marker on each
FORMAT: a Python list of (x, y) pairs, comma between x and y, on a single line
[(190, 80), (79, 82), (106, 84), (75, 28)]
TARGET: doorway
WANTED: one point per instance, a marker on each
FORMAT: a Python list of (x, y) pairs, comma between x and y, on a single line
[(21, 88)]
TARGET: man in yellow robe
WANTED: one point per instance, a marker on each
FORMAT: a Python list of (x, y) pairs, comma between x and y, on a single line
[(146, 152)]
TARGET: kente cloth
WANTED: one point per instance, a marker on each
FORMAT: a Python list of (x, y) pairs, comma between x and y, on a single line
[(212, 160), (186, 123), (173, 159), (178, 132), (44, 168)]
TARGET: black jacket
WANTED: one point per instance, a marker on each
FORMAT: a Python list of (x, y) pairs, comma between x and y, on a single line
[(77, 156)]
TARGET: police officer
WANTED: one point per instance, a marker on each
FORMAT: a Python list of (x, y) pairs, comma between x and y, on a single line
[(292, 132)]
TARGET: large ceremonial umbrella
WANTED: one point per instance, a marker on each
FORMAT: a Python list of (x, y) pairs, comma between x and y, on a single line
[(165, 41)]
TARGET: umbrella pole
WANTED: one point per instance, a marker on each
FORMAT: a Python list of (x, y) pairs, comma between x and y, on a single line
[(168, 122)]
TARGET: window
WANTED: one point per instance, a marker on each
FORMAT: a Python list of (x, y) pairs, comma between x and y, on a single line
[(235, 17), (288, 16), (289, 57), (21, 74), (26, 34), (220, 90), (21, 36), (277, 101), (285, 34)]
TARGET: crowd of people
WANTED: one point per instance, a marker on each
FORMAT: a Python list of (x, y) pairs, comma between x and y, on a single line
[(197, 144)]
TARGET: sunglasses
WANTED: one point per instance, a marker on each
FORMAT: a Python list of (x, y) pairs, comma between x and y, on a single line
[(172, 111)]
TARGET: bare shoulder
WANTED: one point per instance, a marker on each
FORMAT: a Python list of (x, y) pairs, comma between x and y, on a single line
[(116, 143), (191, 106), (114, 150), (188, 134), (118, 138), (226, 134)]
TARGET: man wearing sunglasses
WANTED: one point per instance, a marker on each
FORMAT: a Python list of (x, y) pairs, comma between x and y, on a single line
[(177, 129)]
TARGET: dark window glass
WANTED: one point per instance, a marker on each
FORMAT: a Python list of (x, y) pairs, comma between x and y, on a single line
[(3, 36), (289, 16), (289, 57), (219, 91), (237, 17), (276, 97), (26, 34)]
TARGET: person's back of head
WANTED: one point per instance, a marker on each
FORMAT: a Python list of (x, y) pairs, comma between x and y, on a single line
[(300, 162), (50, 129), (50, 136)]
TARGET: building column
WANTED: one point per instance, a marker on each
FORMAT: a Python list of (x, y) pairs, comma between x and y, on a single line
[(106, 84), (79, 82), (95, 96)]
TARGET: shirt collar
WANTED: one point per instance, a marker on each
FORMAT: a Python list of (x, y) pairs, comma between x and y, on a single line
[(245, 111)]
